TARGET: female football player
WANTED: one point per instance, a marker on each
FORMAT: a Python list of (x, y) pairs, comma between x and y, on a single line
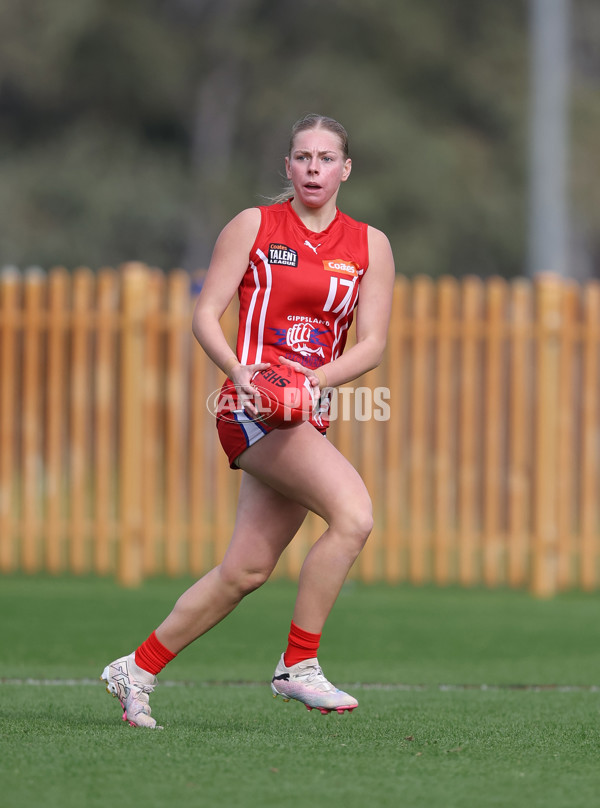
[(302, 269)]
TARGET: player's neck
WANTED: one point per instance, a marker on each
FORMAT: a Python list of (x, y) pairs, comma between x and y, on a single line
[(315, 219)]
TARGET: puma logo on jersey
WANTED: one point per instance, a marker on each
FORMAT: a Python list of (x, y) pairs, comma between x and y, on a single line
[(312, 247), (339, 265), (283, 255)]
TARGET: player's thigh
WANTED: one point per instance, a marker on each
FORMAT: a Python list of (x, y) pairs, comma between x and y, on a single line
[(266, 522), (305, 467)]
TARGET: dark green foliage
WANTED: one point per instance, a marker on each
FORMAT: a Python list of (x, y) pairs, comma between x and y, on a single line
[(134, 130)]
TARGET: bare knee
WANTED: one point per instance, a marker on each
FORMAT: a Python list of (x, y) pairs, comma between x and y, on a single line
[(363, 523), (354, 521), (243, 581)]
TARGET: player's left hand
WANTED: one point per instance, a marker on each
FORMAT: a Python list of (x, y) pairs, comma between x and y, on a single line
[(310, 375)]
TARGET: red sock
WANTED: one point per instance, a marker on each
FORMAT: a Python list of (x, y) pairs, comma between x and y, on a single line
[(301, 645), (152, 655)]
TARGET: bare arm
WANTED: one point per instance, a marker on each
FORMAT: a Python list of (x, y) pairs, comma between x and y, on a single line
[(227, 266), (372, 318)]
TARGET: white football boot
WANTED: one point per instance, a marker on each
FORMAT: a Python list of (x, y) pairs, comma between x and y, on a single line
[(306, 682), (132, 685)]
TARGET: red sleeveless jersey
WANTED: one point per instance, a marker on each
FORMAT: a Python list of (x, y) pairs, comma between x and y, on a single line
[(298, 295), (297, 299)]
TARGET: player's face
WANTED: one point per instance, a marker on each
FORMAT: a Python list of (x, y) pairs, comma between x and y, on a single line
[(317, 166)]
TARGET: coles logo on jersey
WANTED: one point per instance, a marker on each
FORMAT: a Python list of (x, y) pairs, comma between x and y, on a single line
[(283, 255), (345, 267)]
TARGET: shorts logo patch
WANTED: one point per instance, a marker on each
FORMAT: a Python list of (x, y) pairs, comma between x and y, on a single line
[(283, 255), (344, 267)]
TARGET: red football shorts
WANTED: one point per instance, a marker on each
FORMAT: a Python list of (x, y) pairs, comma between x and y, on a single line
[(237, 434), (237, 430)]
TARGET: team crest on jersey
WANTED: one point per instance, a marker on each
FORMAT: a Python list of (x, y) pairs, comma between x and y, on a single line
[(341, 266), (283, 255), (302, 338)]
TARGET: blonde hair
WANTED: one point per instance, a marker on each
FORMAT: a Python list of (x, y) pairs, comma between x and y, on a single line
[(312, 121)]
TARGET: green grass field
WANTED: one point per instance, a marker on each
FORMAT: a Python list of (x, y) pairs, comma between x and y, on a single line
[(467, 698)]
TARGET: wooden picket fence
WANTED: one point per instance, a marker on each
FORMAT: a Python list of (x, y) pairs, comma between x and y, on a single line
[(486, 473)]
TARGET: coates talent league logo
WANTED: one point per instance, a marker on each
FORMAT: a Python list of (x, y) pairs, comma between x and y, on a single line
[(282, 255)]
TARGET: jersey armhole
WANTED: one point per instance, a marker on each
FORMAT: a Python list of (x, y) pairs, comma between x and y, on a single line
[(365, 229), (261, 227)]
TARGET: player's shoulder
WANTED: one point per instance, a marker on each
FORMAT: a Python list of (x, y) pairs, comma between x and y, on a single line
[(249, 217), (380, 250), (252, 217), (377, 237), (243, 227)]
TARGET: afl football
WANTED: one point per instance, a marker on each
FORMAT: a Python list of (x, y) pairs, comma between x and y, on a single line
[(284, 396)]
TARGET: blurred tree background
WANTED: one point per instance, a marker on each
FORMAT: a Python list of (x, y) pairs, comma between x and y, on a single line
[(134, 129)]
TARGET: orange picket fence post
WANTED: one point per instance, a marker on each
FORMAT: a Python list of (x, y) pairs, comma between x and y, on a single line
[(469, 426), (130, 468), (10, 287), (545, 533), (518, 487), (590, 413)]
